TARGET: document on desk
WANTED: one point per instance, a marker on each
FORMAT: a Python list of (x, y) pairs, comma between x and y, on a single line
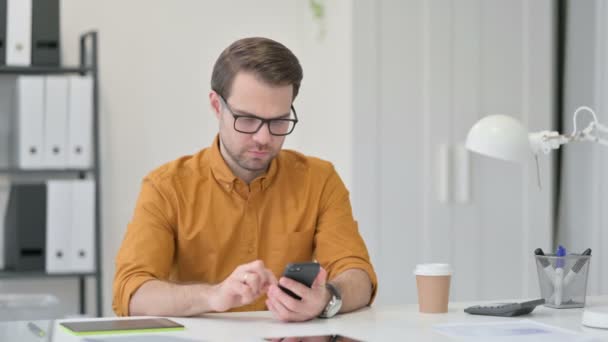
[(522, 330), (140, 338)]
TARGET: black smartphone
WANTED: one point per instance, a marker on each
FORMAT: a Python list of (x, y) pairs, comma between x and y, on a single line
[(304, 273)]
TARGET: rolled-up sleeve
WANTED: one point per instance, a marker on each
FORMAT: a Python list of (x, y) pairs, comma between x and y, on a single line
[(148, 248), (338, 243)]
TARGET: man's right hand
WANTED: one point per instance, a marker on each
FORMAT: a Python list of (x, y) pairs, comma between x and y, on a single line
[(246, 284)]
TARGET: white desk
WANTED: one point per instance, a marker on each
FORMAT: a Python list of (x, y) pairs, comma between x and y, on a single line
[(397, 323)]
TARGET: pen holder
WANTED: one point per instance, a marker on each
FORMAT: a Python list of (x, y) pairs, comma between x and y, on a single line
[(563, 280)]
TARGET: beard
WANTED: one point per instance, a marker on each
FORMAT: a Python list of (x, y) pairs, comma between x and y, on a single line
[(249, 162)]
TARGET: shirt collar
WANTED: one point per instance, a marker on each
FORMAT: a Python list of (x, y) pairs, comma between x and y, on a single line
[(224, 175)]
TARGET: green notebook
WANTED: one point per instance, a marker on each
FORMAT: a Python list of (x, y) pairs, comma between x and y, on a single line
[(122, 326)]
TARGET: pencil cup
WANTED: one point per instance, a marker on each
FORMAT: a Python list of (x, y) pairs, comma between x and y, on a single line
[(563, 280), (433, 283)]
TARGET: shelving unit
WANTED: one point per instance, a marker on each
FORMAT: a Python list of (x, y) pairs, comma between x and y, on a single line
[(88, 66)]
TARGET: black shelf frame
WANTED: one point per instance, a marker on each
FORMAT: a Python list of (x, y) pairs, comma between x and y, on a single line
[(9, 170), (88, 66), (8, 274), (41, 70)]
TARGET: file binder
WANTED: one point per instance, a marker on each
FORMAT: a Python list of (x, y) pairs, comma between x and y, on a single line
[(18, 32), (70, 226), (58, 223), (30, 121), (25, 227), (2, 32), (80, 118), (45, 33), (56, 122), (82, 247)]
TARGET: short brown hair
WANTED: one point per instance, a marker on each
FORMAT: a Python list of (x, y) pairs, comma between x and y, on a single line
[(269, 60)]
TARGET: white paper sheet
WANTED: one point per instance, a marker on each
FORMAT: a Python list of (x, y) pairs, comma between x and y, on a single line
[(522, 330)]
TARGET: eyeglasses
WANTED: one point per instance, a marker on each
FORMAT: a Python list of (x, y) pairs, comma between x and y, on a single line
[(250, 124)]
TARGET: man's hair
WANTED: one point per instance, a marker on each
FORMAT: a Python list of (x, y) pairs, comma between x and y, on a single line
[(270, 61)]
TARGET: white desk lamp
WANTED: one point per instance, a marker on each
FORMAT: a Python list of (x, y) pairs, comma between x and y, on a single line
[(503, 137)]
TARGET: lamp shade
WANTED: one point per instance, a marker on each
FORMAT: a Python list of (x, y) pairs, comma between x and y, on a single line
[(500, 136)]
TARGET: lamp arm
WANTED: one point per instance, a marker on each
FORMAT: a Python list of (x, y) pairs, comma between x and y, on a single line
[(578, 110), (590, 133), (546, 141)]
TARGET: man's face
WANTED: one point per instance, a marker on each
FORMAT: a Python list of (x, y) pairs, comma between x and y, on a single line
[(250, 96)]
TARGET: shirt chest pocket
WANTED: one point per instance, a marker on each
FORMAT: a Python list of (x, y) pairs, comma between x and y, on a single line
[(289, 247)]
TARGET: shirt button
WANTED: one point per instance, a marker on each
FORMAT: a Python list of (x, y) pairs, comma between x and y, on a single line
[(250, 250)]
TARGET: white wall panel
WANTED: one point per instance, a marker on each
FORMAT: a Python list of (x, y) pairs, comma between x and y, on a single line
[(442, 65)]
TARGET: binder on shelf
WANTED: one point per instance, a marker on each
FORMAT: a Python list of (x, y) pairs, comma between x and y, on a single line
[(25, 228), (82, 246), (56, 122), (2, 32), (18, 32), (70, 226), (80, 122), (50, 226), (45, 33), (30, 121), (58, 221)]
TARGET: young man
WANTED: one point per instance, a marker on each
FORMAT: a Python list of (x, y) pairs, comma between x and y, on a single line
[(213, 231)]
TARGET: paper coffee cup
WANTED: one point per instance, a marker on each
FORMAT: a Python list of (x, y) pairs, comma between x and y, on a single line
[(433, 282)]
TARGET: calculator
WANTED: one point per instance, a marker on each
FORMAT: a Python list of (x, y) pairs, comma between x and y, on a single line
[(505, 309)]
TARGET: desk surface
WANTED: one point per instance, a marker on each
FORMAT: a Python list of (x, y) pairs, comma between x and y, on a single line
[(369, 324)]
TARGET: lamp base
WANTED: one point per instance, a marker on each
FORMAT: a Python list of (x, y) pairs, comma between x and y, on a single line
[(596, 317)]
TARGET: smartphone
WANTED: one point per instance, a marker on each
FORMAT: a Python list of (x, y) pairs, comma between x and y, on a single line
[(304, 273)]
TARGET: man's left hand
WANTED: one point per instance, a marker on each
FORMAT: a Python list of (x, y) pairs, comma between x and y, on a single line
[(288, 309)]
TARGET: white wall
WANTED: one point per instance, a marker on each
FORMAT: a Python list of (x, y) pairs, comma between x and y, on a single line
[(155, 66), (425, 72)]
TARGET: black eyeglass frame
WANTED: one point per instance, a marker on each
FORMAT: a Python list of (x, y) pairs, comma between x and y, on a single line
[(262, 120)]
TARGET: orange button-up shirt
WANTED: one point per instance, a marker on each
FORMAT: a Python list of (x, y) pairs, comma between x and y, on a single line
[(196, 222)]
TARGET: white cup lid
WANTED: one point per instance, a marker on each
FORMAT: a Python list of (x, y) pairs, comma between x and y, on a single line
[(433, 269)]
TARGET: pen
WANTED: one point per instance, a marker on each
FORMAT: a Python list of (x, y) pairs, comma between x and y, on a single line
[(577, 267), (559, 274), (544, 263), (35, 329)]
